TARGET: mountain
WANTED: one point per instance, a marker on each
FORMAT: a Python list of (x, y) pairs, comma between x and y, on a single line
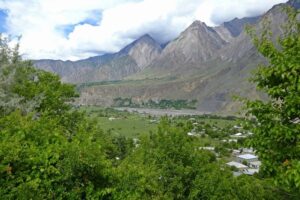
[(143, 51), (232, 29), (236, 26), (129, 60), (209, 64), (198, 43)]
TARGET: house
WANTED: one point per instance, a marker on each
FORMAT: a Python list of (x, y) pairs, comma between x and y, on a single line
[(152, 121), (111, 119), (236, 152), (237, 173), (247, 150), (250, 133), (250, 171), (191, 134), (246, 157), (237, 127), (238, 135), (136, 142), (255, 164), (238, 165), (230, 140), (207, 148)]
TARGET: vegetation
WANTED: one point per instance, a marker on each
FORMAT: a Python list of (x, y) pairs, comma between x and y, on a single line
[(119, 123), (47, 150), (276, 126), (161, 104), (51, 150), (167, 165)]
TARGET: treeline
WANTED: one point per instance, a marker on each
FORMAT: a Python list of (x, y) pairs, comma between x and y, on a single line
[(160, 104)]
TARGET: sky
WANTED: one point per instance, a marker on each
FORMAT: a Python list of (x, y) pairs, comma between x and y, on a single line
[(78, 29)]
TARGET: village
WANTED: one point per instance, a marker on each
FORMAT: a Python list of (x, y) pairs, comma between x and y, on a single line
[(240, 159), (225, 138)]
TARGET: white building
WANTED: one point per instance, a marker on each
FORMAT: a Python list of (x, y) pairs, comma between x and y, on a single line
[(238, 135), (246, 157), (191, 134), (236, 152), (255, 164), (237, 127), (250, 171), (111, 119), (207, 148), (239, 166)]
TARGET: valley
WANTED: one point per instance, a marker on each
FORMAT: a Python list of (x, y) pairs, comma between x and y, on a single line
[(212, 113), (208, 64)]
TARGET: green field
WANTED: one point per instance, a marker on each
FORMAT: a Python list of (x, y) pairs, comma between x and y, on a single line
[(122, 123), (131, 126)]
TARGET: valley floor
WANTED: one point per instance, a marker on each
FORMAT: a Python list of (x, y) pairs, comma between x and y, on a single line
[(162, 112)]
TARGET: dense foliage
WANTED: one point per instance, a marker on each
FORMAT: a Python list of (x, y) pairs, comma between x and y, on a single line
[(277, 121), (47, 150), (168, 165), (161, 104)]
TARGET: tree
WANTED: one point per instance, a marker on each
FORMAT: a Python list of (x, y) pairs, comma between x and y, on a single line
[(169, 165), (276, 128), (47, 149)]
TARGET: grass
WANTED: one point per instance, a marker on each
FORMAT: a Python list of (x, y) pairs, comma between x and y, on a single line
[(133, 124), (121, 123), (220, 123)]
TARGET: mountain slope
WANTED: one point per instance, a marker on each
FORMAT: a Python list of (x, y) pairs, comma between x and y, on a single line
[(203, 63), (198, 43), (129, 60)]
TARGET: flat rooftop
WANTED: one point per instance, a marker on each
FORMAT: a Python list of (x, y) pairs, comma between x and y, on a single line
[(247, 156), (237, 165)]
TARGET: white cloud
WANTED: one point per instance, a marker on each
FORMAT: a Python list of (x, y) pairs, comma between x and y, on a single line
[(39, 22)]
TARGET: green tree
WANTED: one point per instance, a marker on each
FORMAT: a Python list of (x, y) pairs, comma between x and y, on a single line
[(47, 149), (276, 126), (169, 165)]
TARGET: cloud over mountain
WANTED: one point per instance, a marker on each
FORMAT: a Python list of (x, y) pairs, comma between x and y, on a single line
[(76, 29)]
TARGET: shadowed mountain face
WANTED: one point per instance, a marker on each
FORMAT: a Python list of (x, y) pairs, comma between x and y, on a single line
[(209, 64), (236, 26)]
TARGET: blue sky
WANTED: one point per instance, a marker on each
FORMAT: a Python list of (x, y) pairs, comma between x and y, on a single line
[(77, 29), (94, 20), (3, 16)]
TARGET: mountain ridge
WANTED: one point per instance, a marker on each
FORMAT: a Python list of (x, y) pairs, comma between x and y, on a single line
[(210, 64)]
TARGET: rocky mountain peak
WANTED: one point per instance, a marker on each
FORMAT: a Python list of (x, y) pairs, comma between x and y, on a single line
[(198, 23), (143, 50), (146, 38), (199, 26)]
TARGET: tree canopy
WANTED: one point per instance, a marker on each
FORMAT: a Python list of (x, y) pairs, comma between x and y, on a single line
[(277, 121)]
